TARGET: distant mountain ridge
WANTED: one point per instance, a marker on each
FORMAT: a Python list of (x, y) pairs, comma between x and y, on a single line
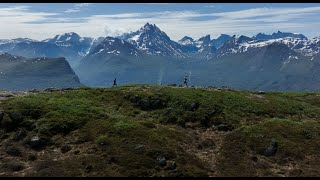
[(263, 62), (277, 61), (20, 73)]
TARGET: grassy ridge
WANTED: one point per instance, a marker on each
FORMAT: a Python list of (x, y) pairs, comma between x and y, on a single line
[(128, 137)]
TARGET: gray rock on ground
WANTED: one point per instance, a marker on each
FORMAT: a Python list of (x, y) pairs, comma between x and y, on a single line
[(272, 149)]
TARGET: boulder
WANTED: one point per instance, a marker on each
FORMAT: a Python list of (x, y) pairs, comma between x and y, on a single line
[(162, 161), (156, 103), (261, 92), (272, 149), (6, 95), (37, 143), (51, 89), (34, 91), (144, 104), (193, 106), (16, 117), (148, 104), (134, 99)]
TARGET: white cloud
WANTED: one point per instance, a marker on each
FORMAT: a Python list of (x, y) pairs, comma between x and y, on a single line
[(72, 10), (77, 7), (20, 21), (210, 6), (83, 4)]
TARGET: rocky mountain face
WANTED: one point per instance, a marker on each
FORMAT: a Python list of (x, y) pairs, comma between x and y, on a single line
[(20, 73)]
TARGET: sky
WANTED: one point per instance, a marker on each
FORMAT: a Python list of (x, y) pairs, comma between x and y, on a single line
[(45, 20)]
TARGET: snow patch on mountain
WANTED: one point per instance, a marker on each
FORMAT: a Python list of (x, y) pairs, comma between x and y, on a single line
[(99, 51)]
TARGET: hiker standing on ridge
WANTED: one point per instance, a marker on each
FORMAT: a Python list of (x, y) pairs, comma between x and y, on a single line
[(114, 82), (186, 80)]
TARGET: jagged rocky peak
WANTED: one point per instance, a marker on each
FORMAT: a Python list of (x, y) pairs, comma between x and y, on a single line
[(151, 40), (206, 39), (186, 40), (223, 38), (223, 35), (240, 39), (279, 34), (153, 31), (149, 27)]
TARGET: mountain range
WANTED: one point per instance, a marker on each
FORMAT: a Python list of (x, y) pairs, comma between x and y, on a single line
[(281, 61)]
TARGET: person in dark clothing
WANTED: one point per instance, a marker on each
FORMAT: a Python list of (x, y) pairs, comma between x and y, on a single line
[(186, 80), (114, 82)]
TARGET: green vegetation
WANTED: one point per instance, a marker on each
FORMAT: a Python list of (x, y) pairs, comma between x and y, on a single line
[(123, 131), (298, 146)]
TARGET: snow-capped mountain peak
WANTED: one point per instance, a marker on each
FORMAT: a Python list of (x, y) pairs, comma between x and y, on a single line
[(72, 41), (149, 27), (67, 37), (205, 39), (151, 40)]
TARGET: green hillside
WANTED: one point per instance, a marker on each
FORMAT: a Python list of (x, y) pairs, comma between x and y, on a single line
[(151, 130)]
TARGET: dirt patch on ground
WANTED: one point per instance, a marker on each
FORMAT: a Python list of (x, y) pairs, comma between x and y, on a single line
[(205, 144), (256, 96)]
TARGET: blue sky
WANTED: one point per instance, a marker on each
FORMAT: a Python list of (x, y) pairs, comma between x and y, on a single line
[(45, 20)]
